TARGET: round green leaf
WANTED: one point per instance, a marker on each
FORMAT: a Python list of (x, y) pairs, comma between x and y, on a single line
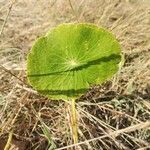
[(67, 60)]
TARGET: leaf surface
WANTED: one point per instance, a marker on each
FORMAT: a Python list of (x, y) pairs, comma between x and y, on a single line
[(70, 58)]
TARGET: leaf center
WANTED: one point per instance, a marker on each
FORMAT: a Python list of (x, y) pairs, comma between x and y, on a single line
[(73, 63)]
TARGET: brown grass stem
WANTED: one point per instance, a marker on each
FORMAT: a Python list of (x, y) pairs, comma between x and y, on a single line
[(114, 133), (8, 144)]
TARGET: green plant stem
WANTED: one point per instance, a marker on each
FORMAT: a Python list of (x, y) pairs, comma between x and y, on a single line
[(74, 122)]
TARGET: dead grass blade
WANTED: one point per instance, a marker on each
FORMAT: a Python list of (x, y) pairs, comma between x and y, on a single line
[(115, 133)]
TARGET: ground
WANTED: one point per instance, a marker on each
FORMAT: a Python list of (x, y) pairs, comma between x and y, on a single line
[(115, 115)]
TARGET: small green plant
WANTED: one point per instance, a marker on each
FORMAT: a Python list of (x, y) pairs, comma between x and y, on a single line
[(70, 58)]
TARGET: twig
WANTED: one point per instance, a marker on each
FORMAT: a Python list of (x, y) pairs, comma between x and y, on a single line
[(7, 15), (115, 133), (6, 70), (113, 111), (74, 11), (144, 148), (8, 144)]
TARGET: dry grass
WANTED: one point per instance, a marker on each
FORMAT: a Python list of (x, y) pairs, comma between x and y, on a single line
[(115, 115)]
